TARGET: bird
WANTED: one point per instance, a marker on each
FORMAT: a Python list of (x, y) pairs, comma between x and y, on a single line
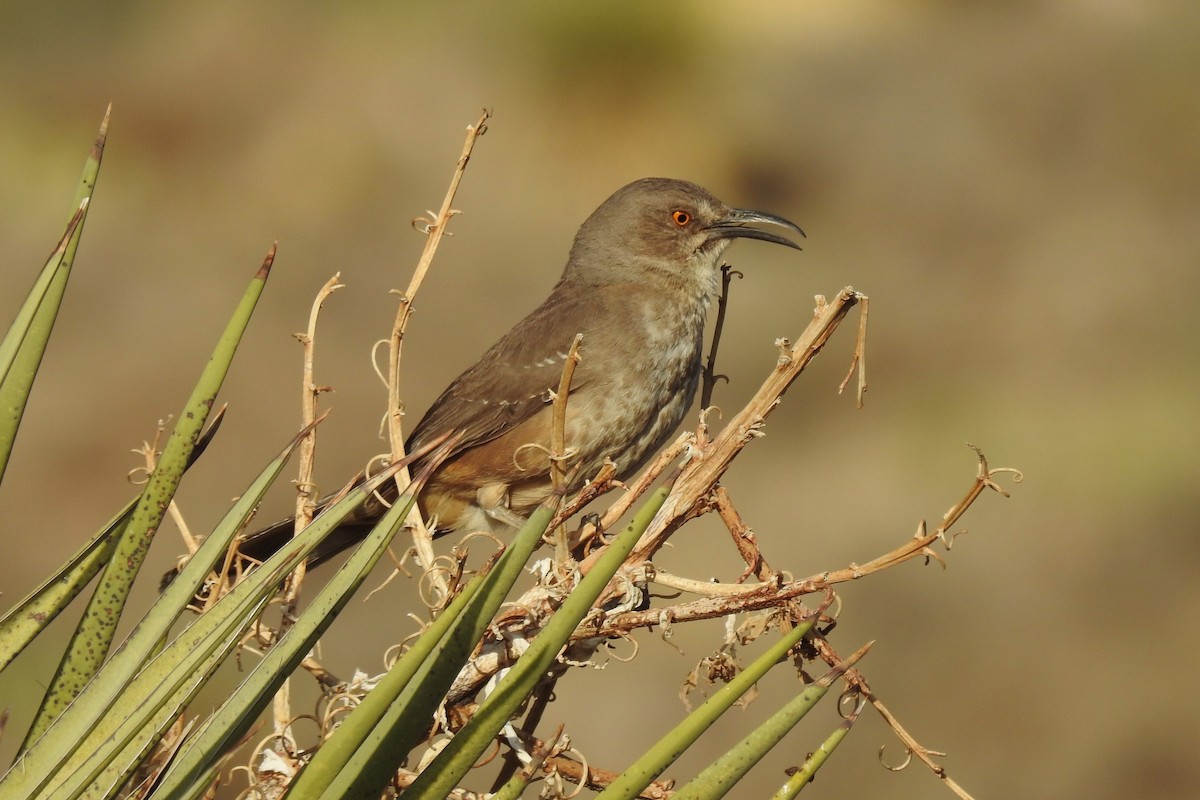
[(638, 282)]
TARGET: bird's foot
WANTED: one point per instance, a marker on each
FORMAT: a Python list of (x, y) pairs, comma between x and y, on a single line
[(505, 515)]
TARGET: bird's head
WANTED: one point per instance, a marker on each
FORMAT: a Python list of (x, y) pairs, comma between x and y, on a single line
[(665, 228)]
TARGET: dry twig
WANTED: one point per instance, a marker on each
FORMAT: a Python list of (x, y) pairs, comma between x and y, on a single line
[(306, 491), (727, 601), (434, 229), (710, 462)]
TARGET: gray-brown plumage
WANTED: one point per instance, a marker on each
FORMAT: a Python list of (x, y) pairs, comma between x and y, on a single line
[(637, 284)]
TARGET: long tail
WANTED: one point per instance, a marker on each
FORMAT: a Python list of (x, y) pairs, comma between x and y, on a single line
[(265, 542)]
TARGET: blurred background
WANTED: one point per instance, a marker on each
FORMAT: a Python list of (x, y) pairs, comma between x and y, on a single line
[(1015, 185)]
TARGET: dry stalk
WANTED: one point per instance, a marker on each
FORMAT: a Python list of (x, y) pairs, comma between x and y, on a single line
[(589, 776), (559, 453), (859, 359), (919, 545), (711, 459), (858, 684), (743, 538), (434, 229), (589, 530), (725, 601), (306, 492), (720, 600)]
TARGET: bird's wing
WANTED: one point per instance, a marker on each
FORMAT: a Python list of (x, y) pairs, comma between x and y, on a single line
[(508, 385)]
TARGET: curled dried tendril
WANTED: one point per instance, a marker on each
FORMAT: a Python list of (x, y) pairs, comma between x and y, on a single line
[(428, 585), (897, 768), (857, 703)]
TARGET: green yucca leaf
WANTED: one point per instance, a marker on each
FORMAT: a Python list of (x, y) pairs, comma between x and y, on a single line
[(93, 636), (22, 348), (719, 777), (22, 623), (804, 775), (237, 713), (377, 735), (112, 708), (158, 695), (663, 753)]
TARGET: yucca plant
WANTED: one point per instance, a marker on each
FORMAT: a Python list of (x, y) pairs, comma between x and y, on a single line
[(115, 722)]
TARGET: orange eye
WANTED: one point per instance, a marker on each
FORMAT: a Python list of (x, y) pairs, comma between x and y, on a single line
[(681, 218)]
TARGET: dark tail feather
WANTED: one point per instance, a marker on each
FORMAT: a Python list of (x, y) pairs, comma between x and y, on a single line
[(264, 543)]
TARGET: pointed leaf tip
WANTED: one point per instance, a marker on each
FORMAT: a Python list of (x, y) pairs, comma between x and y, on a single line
[(102, 136), (307, 429), (265, 269)]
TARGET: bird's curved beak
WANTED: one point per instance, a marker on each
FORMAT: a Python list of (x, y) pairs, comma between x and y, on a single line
[(733, 226)]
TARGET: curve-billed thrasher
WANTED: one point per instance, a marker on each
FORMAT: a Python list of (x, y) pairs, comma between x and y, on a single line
[(638, 281)]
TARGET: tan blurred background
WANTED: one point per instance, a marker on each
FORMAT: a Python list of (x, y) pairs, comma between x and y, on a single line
[(1015, 185)]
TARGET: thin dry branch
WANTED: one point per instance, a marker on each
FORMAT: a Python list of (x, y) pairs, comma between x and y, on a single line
[(306, 492), (716, 601), (434, 230), (590, 530), (561, 474), (712, 458), (559, 455), (858, 683), (743, 538), (859, 359), (919, 545)]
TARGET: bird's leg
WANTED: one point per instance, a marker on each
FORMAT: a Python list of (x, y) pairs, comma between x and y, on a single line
[(493, 499), (506, 515)]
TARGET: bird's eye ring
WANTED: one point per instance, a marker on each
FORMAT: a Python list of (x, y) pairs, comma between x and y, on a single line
[(681, 218)]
